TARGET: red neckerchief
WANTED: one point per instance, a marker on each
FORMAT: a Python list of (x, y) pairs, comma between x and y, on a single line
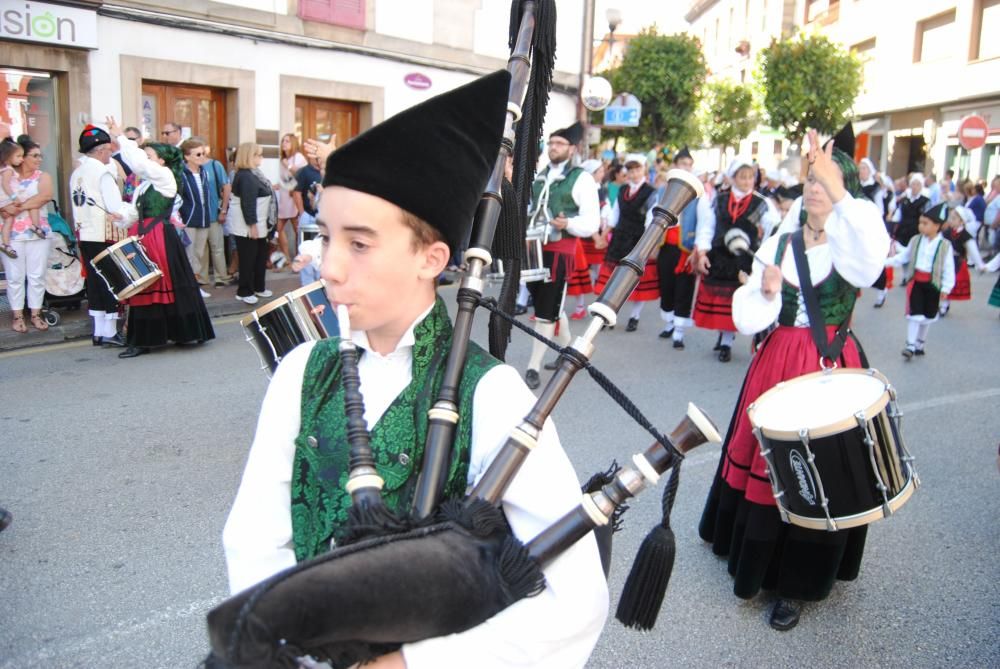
[(629, 197), (738, 207)]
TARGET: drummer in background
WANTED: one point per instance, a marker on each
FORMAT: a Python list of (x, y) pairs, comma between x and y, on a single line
[(845, 246), (171, 309), (97, 203)]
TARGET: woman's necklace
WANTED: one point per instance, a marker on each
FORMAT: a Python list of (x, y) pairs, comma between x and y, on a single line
[(815, 233)]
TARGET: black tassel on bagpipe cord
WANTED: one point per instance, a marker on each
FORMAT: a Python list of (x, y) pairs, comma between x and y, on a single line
[(508, 246), (646, 585)]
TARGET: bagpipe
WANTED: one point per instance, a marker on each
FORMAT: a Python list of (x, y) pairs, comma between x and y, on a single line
[(447, 567)]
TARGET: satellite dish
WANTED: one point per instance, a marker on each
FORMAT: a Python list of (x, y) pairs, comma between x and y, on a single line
[(596, 93)]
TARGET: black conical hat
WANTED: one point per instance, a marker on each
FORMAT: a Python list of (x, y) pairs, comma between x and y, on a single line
[(937, 213), (433, 159), (572, 134), (844, 140), (683, 153)]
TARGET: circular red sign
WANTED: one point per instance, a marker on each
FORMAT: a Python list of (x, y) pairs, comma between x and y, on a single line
[(972, 132), (421, 82)]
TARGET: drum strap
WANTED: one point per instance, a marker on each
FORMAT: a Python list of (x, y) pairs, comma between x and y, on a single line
[(830, 350)]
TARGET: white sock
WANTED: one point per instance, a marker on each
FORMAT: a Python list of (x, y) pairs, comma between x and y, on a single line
[(580, 302), (679, 329), (564, 335), (636, 309), (912, 333), (922, 335), (668, 320), (522, 295), (880, 295), (538, 349), (98, 325), (727, 339), (109, 328)]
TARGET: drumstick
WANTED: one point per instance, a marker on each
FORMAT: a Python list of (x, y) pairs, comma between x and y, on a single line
[(763, 262)]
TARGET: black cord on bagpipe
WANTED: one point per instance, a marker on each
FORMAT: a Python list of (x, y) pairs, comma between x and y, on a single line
[(646, 585)]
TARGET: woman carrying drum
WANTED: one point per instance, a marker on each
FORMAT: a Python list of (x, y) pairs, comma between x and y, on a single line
[(172, 308), (840, 235)]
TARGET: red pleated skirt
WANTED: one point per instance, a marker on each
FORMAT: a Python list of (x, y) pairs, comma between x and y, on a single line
[(963, 286), (649, 284), (713, 306), (162, 291)]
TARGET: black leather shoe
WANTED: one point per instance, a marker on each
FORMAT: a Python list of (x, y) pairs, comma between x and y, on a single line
[(6, 517), (667, 334), (785, 615), (908, 352), (133, 352), (679, 344), (97, 341), (919, 351), (633, 324), (718, 343), (879, 303), (115, 341), (551, 366), (531, 379), (725, 353), (519, 310)]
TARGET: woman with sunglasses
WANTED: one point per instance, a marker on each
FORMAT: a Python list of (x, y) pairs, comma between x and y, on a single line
[(26, 273)]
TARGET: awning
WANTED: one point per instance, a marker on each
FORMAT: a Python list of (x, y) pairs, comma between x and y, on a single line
[(873, 126)]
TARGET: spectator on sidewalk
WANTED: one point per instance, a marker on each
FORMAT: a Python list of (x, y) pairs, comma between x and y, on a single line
[(252, 215), (219, 192)]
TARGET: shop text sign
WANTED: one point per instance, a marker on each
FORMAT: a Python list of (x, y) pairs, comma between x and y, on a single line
[(49, 24)]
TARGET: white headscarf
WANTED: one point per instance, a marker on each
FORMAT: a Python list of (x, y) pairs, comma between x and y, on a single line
[(738, 162), (871, 172)]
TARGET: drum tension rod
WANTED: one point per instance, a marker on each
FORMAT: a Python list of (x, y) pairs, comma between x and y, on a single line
[(831, 525), (862, 422)]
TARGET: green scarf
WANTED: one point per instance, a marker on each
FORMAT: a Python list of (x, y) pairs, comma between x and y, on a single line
[(320, 471), (852, 182)]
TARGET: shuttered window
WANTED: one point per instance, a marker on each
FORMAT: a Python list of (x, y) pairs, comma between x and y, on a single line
[(347, 13)]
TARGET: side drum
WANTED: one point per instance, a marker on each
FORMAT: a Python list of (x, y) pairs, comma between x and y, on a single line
[(533, 269), (834, 451), (126, 268), (279, 326)]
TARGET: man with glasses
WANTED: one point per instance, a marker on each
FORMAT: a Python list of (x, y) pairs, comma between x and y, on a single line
[(194, 206), (171, 134), (569, 196)]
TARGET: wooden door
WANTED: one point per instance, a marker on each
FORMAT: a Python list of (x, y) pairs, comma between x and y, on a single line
[(318, 118), (200, 111)]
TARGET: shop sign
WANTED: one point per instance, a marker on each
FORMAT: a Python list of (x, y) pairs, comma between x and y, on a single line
[(416, 80), (49, 24), (624, 112)]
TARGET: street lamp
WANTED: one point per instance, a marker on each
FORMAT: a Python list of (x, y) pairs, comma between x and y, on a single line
[(614, 17)]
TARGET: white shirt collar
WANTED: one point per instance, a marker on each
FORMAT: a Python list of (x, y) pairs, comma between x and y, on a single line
[(360, 337)]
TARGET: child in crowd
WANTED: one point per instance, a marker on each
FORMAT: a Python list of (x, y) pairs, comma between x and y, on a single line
[(307, 262), (930, 272), (11, 155), (966, 253)]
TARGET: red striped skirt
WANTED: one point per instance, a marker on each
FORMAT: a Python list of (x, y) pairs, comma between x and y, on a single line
[(649, 283), (713, 306), (963, 286)]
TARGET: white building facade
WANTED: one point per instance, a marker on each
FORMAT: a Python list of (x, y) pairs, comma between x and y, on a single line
[(235, 71)]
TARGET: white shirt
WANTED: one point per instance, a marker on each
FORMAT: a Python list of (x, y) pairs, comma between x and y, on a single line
[(926, 251), (153, 175), (857, 244), (585, 194), (705, 231), (558, 628)]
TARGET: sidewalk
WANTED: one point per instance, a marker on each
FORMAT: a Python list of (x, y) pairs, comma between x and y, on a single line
[(78, 324)]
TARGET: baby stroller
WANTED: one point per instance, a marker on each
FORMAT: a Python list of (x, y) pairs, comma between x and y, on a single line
[(64, 284)]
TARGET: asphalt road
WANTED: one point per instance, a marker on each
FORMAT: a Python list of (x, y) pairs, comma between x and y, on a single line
[(120, 474)]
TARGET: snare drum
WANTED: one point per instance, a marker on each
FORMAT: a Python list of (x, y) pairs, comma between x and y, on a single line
[(126, 268), (296, 317), (834, 451), (532, 269)]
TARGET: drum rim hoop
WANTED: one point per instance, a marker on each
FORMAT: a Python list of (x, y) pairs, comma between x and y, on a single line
[(306, 289), (818, 432), (114, 247), (857, 519), (273, 305), (136, 287)]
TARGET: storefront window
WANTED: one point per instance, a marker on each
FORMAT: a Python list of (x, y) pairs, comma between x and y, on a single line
[(989, 164), (957, 160), (28, 103)]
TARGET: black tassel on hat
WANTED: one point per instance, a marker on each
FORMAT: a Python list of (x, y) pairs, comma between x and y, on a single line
[(646, 586)]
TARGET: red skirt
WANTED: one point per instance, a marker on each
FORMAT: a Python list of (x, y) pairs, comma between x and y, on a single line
[(161, 291), (579, 282), (889, 276), (786, 353), (713, 306), (649, 283), (963, 286), (593, 255)]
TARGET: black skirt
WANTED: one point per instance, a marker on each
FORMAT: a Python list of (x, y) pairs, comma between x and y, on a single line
[(99, 297), (186, 320)]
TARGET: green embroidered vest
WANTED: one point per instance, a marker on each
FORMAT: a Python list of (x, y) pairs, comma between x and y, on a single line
[(836, 295), (320, 470), (560, 192)]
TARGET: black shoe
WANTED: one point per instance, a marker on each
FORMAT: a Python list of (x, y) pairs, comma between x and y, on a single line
[(551, 366), (879, 303), (718, 343), (116, 341), (633, 324), (725, 353), (520, 309), (531, 379), (785, 615), (97, 341), (908, 352), (133, 352), (667, 334), (6, 517), (679, 344), (919, 351)]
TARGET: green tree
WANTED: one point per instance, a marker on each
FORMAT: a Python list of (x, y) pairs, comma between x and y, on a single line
[(666, 73), (727, 113), (808, 82)]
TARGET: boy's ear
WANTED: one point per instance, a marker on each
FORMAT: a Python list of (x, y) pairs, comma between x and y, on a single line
[(436, 255)]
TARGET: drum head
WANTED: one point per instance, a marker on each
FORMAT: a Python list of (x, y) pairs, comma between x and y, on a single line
[(823, 403)]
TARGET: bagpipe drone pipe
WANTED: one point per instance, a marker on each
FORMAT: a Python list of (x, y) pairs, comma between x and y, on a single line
[(446, 568)]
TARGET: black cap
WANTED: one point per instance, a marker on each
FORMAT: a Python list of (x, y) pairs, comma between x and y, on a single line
[(433, 159), (572, 134), (937, 213), (844, 140), (683, 153), (91, 137)]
